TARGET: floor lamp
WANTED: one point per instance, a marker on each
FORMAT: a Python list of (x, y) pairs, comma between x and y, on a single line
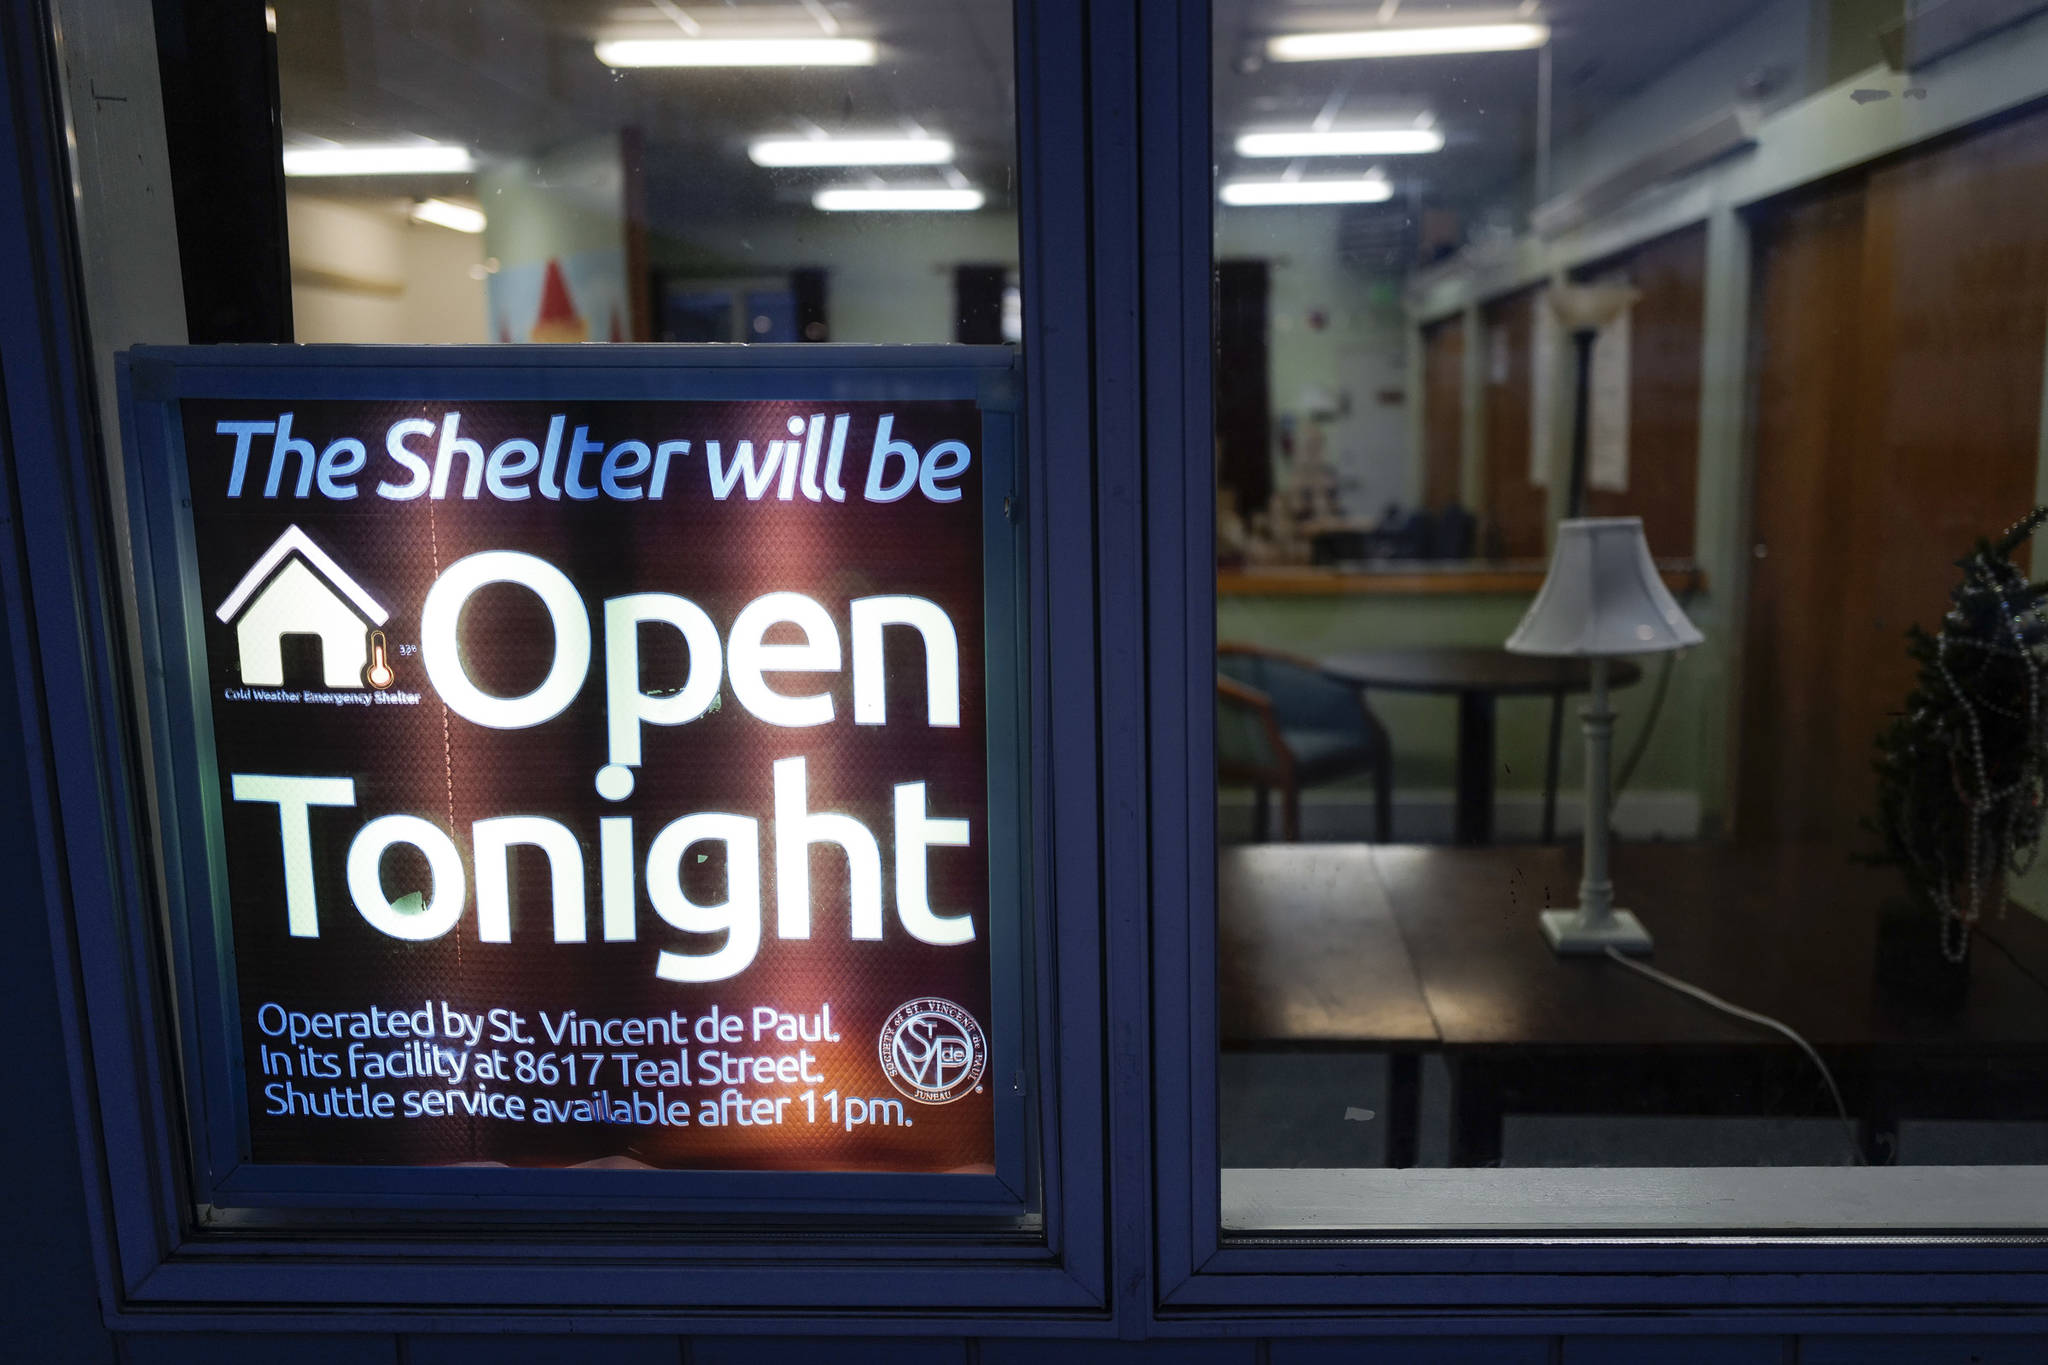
[(1602, 600)]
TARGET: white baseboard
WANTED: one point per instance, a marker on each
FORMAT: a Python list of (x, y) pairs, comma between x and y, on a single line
[(1425, 816)]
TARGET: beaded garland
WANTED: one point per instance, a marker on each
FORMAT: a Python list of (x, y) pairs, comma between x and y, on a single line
[(1961, 769)]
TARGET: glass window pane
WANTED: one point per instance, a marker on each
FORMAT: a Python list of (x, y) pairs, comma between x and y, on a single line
[(533, 170), (1638, 409), (582, 170)]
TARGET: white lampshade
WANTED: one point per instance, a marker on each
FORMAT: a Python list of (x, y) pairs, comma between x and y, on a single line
[(1603, 596)]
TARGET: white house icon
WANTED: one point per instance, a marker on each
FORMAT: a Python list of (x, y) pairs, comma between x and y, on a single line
[(273, 602)]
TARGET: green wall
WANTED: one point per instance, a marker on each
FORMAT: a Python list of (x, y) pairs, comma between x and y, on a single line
[(1424, 729)]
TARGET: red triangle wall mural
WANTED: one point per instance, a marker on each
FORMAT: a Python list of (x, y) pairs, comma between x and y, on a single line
[(558, 320)]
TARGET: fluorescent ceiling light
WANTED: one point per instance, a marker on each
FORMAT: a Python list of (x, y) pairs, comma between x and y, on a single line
[(421, 158), (1342, 142), (1406, 42), (934, 199), (1369, 189), (445, 213), (737, 52), (851, 151)]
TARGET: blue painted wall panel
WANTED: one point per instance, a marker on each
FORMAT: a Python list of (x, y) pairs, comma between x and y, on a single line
[(1677, 1350), (1909, 1349), (211, 1348), (539, 1350), (828, 1351), (1446, 1350), (1119, 1352)]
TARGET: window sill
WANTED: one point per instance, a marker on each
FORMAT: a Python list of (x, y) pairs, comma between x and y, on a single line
[(1757, 1201)]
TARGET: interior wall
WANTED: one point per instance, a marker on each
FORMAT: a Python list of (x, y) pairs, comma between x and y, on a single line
[(1665, 359), (1337, 352), (1768, 58), (1425, 727), (1516, 507), (1834, 131), (1337, 356), (364, 272), (558, 231), (888, 276), (1845, 33), (1666, 349)]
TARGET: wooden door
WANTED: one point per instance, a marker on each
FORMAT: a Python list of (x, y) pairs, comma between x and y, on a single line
[(1666, 329), (1804, 359), (1515, 508), (1443, 412), (1900, 332)]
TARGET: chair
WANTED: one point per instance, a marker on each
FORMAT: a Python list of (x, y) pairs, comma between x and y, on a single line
[(1282, 724)]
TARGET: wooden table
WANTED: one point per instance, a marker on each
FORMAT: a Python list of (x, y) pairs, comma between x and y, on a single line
[(1477, 676), (1788, 931), (1312, 957)]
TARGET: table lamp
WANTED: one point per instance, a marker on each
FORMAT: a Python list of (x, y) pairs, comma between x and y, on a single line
[(1602, 599)]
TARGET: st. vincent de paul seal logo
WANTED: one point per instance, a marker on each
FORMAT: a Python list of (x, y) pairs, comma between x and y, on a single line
[(933, 1051)]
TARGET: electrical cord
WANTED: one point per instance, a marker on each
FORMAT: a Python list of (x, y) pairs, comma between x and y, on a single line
[(1650, 714), (1708, 998)]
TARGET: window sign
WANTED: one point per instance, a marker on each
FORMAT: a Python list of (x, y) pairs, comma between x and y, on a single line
[(597, 763)]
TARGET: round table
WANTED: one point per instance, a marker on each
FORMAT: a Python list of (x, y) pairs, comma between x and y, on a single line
[(1477, 676)]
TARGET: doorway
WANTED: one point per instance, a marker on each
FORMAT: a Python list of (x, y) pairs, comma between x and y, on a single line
[(1899, 319)]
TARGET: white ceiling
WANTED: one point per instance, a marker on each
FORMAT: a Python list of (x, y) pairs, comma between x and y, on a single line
[(517, 77), (1601, 51)]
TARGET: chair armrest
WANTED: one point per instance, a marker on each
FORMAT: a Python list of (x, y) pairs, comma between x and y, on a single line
[(1281, 774), (1302, 694)]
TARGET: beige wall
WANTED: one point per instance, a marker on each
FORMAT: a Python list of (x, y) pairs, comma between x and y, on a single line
[(363, 271), (1337, 344), (888, 276)]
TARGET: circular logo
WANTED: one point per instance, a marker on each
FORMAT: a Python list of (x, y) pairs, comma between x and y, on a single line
[(932, 1051)]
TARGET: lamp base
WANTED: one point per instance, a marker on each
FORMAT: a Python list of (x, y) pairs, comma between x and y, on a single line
[(1569, 934)]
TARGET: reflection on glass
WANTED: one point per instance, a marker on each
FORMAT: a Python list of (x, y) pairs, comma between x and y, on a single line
[(585, 170), (1769, 276)]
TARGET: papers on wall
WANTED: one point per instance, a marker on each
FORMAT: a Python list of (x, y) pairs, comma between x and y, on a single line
[(1607, 427), (1546, 345)]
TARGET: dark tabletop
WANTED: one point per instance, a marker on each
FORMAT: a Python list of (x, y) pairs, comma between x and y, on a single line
[(1788, 931), (1470, 668), (1310, 950)]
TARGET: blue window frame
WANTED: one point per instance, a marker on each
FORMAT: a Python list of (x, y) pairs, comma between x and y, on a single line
[(179, 1233), (1118, 513), (1330, 1283)]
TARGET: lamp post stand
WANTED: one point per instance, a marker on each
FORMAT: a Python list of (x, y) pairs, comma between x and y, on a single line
[(1574, 505), (1596, 925)]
